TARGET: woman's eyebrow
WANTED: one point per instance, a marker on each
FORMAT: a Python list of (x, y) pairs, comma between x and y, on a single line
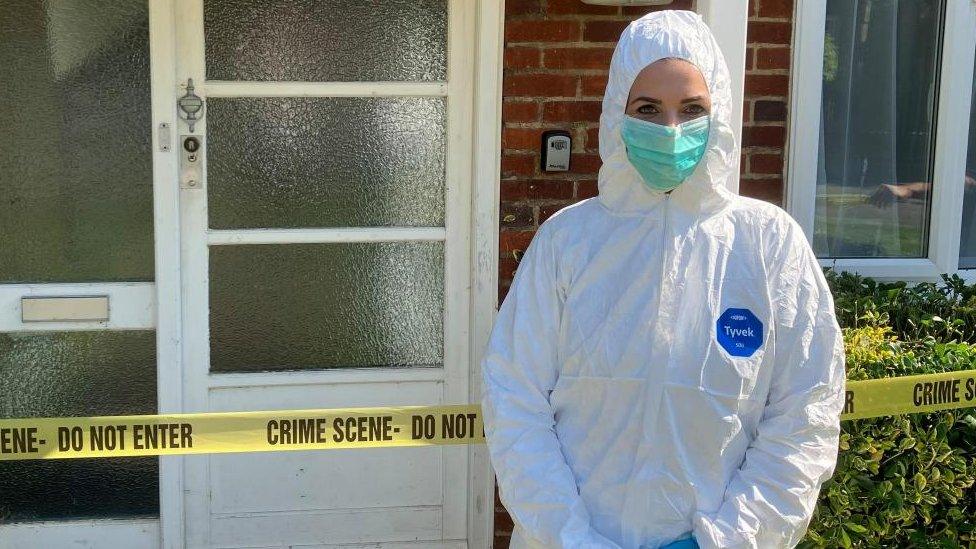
[(693, 99), (645, 98)]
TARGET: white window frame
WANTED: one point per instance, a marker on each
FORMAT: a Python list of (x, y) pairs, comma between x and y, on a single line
[(952, 134)]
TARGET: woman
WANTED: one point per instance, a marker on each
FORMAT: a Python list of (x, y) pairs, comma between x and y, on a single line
[(666, 367)]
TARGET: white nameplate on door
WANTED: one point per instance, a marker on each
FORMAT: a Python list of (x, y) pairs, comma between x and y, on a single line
[(55, 309)]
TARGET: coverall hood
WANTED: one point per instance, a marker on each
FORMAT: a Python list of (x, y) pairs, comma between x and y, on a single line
[(664, 365), (658, 35)]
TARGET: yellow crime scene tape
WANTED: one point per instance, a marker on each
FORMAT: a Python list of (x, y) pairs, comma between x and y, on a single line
[(909, 394), (223, 432), (292, 430)]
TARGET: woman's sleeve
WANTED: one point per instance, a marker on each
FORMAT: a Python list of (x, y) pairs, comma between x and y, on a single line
[(519, 370), (770, 499)]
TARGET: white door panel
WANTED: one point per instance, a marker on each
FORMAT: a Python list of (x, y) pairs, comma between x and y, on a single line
[(253, 245)]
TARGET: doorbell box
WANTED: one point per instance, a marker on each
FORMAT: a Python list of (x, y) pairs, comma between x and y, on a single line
[(556, 146)]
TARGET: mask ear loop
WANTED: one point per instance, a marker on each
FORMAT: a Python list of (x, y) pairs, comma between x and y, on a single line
[(711, 110), (710, 143)]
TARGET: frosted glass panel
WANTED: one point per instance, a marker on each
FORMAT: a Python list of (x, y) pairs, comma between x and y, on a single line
[(874, 177), (75, 145), (310, 306), (326, 162), (326, 40), (78, 374)]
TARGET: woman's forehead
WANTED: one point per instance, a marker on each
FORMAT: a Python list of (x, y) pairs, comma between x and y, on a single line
[(672, 64), (673, 74)]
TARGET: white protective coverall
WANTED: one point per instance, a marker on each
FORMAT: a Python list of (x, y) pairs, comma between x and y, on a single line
[(664, 364)]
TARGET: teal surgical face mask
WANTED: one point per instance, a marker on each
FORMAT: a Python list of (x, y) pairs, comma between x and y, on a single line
[(664, 155)]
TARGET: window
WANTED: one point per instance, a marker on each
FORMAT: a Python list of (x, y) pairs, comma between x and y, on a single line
[(882, 167)]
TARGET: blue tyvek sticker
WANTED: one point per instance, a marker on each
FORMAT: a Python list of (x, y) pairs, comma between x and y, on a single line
[(739, 332)]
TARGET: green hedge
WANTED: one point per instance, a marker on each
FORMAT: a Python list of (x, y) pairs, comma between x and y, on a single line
[(904, 481)]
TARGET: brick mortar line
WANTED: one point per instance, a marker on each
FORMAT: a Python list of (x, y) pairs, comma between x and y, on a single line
[(761, 19), (530, 178), (578, 44), (539, 125), (772, 44), (581, 18), (554, 70)]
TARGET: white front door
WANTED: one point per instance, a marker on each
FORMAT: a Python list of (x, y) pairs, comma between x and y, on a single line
[(325, 257)]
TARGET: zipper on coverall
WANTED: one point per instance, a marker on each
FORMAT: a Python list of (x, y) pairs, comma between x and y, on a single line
[(665, 255), (662, 327)]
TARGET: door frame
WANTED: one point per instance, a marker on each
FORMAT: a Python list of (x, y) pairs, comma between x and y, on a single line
[(480, 168), (485, 195), (169, 295)]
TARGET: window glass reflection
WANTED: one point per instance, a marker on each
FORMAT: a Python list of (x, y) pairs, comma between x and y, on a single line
[(967, 241), (874, 175)]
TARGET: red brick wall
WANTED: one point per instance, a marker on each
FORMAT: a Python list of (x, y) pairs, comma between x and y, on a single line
[(556, 57), (766, 99)]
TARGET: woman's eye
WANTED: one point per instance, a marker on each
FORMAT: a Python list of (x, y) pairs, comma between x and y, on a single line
[(647, 109), (694, 109)]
